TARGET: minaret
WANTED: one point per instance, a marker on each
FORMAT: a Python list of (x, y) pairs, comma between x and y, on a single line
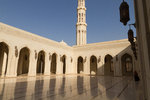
[(81, 23)]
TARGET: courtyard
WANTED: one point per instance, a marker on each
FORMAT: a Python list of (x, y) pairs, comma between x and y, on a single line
[(70, 87)]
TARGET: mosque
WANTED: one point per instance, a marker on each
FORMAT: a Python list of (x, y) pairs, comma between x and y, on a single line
[(24, 53)]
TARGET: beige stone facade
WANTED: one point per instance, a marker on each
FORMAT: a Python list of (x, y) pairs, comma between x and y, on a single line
[(23, 53), (26, 53)]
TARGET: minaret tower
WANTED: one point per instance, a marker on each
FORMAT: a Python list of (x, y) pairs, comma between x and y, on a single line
[(81, 23)]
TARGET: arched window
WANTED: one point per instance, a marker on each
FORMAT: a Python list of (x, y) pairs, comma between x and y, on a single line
[(108, 66), (41, 62), (127, 65), (93, 65), (79, 17), (63, 59), (53, 63), (23, 61), (3, 58), (82, 17), (80, 67)]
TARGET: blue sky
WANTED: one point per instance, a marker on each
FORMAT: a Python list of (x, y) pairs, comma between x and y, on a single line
[(56, 19)]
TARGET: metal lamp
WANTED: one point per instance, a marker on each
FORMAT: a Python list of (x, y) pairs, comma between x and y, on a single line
[(124, 12)]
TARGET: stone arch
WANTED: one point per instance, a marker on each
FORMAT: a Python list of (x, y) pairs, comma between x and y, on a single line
[(63, 59), (41, 62), (53, 63), (122, 54), (93, 65), (108, 66), (23, 61), (4, 50), (80, 66), (127, 64)]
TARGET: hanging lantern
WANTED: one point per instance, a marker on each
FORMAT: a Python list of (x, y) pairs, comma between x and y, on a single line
[(130, 36), (124, 13)]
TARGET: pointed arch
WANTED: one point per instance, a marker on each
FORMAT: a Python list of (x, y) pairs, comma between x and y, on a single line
[(127, 64), (4, 50), (41, 62), (80, 66), (93, 65), (53, 63), (23, 61), (64, 63), (108, 66)]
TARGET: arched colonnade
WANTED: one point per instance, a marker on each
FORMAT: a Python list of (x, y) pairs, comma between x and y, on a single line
[(24, 62), (108, 66)]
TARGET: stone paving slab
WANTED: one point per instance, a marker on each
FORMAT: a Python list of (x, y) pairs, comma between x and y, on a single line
[(70, 87)]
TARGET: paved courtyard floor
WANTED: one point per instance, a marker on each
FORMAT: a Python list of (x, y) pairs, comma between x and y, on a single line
[(70, 87)]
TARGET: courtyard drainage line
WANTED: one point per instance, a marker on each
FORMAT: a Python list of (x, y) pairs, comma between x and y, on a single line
[(123, 90)]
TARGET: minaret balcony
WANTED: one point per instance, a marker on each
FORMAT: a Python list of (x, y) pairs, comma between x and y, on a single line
[(81, 24), (83, 8)]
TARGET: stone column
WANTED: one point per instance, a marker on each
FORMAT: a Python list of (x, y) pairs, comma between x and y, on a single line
[(86, 66), (12, 62), (67, 65), (58, 65), (4, 64), (47, 64), (75, 64), (61, 65), (114, 66), (33, 63), (119, 67), (100, 66), (70, 65)]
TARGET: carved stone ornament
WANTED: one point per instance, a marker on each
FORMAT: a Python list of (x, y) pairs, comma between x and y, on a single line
[(16, 51), (50, 56), (71, 59), (35, 54), (99, 59), (60, 57), (85, 59)]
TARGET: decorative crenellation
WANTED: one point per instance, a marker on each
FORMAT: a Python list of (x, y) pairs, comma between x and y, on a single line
[(99, 59), (50, 57), (71, 59), (16, 51), (36, 55)]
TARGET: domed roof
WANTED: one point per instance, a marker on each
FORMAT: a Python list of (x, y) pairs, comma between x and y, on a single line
[(64, 43)]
